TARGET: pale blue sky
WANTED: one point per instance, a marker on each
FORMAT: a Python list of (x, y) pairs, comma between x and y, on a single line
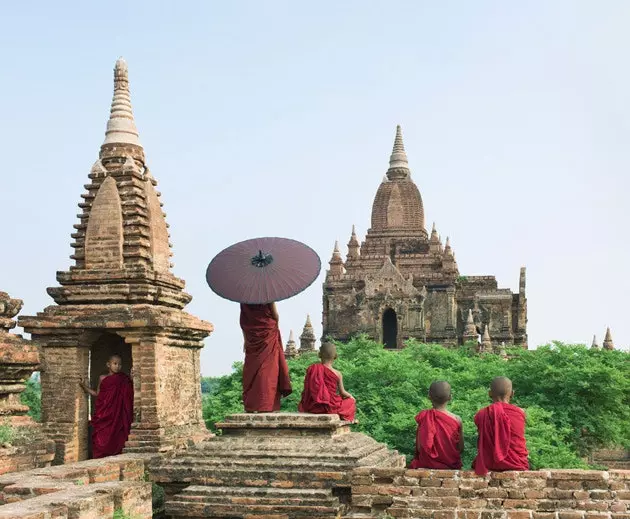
[(277, 118)]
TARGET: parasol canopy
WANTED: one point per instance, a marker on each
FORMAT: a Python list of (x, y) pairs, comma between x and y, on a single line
[(263, 270)]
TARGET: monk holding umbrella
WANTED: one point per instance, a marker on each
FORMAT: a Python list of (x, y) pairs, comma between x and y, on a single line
[(256, 273)]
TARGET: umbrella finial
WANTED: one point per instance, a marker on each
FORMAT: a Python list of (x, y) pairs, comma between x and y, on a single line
[(262, 260)]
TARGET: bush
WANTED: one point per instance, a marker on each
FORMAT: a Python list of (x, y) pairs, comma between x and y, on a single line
[(32, 397), (575, 398)]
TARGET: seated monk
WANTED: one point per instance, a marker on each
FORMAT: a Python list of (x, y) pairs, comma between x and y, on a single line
[(439, 437), (501, 443), (323, 388), (265, 371), (113, 410)]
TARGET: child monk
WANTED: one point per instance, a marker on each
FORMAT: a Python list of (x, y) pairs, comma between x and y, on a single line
[(501, 443), (323, 388), (113, 410), (439, 437)]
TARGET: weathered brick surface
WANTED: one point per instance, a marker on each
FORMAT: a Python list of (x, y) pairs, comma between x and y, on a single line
[(291, 464), (545, 494), (89, 489), (402, 273), (120, 297)]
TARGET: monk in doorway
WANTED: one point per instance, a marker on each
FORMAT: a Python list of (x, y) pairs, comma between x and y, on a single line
[(265, 371), (501, 444), (113, 410), (323, 388), (439, 437)]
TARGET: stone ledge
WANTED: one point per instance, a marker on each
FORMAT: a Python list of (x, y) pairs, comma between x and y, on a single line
[(87, 502), (451, 494)]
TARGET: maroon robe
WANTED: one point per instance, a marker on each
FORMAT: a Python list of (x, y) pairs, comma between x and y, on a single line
[(265, 372), (501, 444), (320, 394), (437, 441), (113, 414)]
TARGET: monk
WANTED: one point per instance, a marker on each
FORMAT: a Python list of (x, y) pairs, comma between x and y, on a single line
[(265, 372), (323, 388), (501, 443), (439, 437), (113, 410)]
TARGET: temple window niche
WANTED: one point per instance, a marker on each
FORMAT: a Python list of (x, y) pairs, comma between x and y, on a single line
[(390, 329)]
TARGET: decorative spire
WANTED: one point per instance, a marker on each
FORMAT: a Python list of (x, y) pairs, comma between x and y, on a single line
[(448, 251), (398, 164), (307, 339), (291, 349), (354, 248), (470, 330), (486, 342), (608, 343), (435, 245), (121, 127), (594, 345)]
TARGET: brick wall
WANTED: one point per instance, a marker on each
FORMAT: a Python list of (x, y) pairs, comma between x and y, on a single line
[(36, 454), (83, 490), (443, 494)]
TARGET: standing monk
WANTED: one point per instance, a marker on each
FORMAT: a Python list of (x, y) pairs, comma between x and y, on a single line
[(439, 437), (265, 372), (113, 410), (501, 444)]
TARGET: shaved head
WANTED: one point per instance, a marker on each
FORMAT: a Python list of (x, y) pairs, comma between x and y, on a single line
[(501, 388), (328, 351), (440, 392), (114, 356)]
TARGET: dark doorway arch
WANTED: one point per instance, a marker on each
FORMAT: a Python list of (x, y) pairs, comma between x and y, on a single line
[(390, 329), (101, 350)]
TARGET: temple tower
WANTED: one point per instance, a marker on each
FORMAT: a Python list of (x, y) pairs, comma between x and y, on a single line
[(290, 350), (307, 339), (402, 283), (120, 297), (608, 343)]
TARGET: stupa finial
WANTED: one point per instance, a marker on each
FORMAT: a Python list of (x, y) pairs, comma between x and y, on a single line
[(398, 164), (121, 127)]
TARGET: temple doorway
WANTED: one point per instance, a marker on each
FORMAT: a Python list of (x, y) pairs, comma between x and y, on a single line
[(102, 349), (390, 329)]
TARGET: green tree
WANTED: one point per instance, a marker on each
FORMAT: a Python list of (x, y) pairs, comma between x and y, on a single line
[(32, 397), (576, 398)]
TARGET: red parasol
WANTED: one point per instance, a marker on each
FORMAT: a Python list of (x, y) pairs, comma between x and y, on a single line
[(263, 270)]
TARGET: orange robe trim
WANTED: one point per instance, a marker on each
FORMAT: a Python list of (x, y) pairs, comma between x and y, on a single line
[(265, 371), (437, 441), (501, 444), (320, 394)]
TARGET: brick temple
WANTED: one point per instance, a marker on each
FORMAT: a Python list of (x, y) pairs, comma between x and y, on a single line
[(403, 282), (120, 297)]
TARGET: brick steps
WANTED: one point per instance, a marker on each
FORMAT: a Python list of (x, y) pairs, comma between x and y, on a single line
[(234, 502), (280, 465)]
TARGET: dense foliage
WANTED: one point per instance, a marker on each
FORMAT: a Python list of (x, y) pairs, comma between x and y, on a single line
[(32, 397), (576, 398)]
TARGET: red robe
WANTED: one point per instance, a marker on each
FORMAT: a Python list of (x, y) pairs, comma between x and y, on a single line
[(437, 441), (265, 372), (501, 443), (113, 414), (320, 394)]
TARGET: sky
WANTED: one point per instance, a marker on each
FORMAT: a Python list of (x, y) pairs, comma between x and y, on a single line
[(278, 117)]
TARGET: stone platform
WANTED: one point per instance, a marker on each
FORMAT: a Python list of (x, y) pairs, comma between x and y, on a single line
[(288, 465)]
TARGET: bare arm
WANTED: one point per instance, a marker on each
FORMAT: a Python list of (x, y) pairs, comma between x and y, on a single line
[(90, 390), (342, 390)]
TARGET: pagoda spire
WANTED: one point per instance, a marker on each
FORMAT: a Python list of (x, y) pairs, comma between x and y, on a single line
[(121, 127), (470, 330), (307, 339), (291, 348), (486, 341), (354, 248), (594, 345), (608, 343), (398, 163)]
